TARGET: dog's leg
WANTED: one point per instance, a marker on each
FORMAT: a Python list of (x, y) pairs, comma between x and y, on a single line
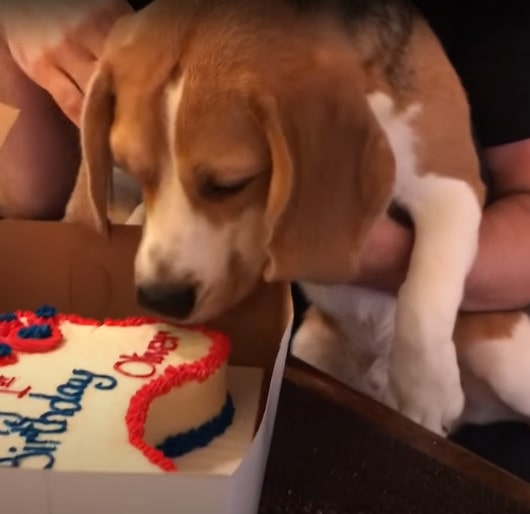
[(502, 363), (424, 381)]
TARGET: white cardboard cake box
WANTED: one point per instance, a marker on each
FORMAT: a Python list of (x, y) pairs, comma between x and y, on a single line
[(78, 270)]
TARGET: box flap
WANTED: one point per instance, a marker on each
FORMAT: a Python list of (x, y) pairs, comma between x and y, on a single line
[(75, 269)]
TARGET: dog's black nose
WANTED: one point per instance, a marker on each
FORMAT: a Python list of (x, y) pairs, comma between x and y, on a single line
[(175, 300)]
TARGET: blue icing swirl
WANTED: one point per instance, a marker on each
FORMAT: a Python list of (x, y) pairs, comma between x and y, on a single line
[(7, 316), (5, 350), (180, 444), (35, 332), (46, 311)]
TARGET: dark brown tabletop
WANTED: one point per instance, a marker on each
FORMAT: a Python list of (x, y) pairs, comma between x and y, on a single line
[(336, 452)]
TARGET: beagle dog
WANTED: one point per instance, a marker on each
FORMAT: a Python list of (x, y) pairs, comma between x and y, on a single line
[(268, 138)]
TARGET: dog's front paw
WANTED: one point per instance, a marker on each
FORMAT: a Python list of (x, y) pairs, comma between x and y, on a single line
[(426, 389)]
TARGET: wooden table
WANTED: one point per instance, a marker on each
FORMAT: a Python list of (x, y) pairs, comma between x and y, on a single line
[(337, 452)]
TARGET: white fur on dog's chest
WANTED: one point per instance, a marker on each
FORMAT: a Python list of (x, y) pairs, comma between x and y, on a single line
[(365, 317), (358, 356)]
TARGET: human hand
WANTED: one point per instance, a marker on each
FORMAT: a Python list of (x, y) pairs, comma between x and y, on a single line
[(57, 43)]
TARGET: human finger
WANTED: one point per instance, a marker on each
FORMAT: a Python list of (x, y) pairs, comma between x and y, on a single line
[(76, 62), (66, 94)]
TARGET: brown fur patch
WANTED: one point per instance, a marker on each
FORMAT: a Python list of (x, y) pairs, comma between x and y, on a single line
[(477, 327), (446, 146)]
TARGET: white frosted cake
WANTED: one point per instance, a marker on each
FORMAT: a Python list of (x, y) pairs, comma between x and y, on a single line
[(132, 394)]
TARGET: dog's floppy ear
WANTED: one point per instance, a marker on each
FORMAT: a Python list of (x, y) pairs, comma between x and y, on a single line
[(332, 176), (88, 202)]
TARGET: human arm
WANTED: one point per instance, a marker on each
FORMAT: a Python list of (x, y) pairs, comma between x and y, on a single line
[(500, 276), (57, 43)]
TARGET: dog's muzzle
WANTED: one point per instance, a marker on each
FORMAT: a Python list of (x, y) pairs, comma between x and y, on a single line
[(174, 300)]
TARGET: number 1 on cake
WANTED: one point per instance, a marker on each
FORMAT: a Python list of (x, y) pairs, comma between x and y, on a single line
[(7, 382)]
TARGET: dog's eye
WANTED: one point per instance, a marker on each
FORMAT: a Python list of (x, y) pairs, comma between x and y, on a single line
[(212, 189)]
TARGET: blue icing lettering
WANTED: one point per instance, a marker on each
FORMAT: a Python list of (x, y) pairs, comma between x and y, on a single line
[(28, 453), (7, 316), (30, 429), (35, 432), (105, 383)]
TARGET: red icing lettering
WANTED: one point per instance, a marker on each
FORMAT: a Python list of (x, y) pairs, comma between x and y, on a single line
[(122, 365), (7, 382), (157, 350), (163, 342)]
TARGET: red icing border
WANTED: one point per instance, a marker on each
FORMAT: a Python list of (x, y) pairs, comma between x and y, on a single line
[(9, 334), (172, 377), (10, 359), (6, 327)]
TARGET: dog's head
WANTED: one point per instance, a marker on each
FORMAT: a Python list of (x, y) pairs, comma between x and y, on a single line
[(255, 147)]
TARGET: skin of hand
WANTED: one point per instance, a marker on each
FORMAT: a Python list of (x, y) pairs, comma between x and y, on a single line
[(500, 276), (57, 43)]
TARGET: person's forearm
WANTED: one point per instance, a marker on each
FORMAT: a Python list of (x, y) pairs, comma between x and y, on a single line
[(385, 258), (500, 277)]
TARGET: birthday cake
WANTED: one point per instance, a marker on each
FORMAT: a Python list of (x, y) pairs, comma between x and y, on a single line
[(132, 394)]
